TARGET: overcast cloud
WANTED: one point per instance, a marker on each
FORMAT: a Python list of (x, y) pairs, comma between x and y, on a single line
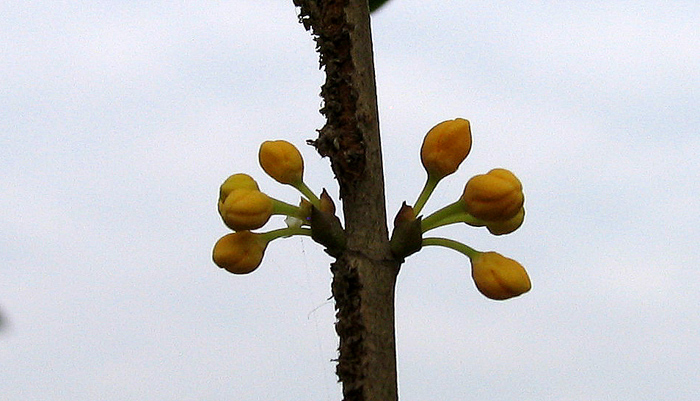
[(119, 120)]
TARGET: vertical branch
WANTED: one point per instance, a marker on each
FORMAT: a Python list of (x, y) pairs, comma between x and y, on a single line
[(364, 276)]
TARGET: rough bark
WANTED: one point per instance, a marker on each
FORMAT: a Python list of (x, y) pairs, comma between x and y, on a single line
[(364, 275)]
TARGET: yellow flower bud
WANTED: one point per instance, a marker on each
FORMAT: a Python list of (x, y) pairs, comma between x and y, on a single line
[(507, 226), (236, 181), (282, 161), (240, 252), (445, 147), (494, 196), (246, 209), (498, 277)]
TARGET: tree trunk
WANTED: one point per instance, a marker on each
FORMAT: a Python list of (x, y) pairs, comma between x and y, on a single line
[(364, 275)]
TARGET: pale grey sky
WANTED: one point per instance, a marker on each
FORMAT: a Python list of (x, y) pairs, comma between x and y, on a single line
[(119, 120)]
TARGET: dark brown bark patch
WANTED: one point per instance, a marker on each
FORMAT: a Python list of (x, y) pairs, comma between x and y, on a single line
[(346, 288), (340, 139)]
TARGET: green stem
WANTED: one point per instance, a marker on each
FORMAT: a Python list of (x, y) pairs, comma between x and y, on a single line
[(450, 214), (448, 243), (285, 232), (428, 189), (279, 207), (446, 213), (306, 191), (463, 217)]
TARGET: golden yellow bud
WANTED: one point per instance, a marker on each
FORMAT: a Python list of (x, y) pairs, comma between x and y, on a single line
[(282, 161), (246, 209), (498, 277), (236, 181), (494, 196), (445, 147), (240, 252), (507, 226)]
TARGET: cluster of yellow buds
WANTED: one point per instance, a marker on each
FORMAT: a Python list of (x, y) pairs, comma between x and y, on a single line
[(243, 207), (493, 200)]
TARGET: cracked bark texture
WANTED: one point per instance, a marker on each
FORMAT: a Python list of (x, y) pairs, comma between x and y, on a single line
[(364, 275)]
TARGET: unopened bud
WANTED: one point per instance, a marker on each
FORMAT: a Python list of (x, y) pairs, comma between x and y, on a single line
[(240, 252), (246, 209), (445, 147), (494, 196), (498, 277), (236, 181), (282, 161), (507, 226)]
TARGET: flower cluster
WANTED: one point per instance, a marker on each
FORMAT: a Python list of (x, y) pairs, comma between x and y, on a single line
[(493, 200), (243, 207)]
